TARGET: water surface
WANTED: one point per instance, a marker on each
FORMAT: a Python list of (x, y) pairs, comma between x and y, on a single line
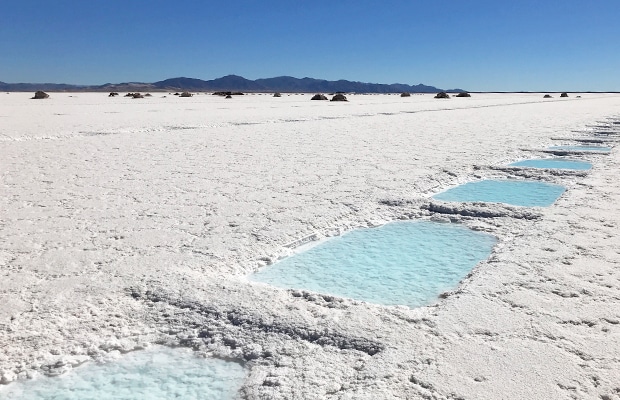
[(158, 373), (513, 192), (581, 148), (401, 263), (554, 163)]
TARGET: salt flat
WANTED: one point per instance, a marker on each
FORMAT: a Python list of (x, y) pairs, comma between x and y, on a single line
[(127, 222)]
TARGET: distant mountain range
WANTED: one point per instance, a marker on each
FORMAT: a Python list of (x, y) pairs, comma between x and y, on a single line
[(286, 84)]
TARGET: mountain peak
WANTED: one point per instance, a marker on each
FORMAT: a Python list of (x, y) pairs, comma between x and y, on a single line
[(238, 84)]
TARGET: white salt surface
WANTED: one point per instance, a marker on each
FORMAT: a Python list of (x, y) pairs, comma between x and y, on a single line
[(126, 222)]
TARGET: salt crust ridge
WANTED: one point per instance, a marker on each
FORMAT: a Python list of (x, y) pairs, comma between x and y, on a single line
[(112, 243)]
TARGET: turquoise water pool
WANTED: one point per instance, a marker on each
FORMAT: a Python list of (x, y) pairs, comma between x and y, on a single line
[(558, 163), (517, 193), (580, 148), (401, 263), (157, 374)]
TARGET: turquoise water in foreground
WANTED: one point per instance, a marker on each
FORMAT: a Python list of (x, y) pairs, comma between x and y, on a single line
[(581, 148), (516, 193), (558, 163), (160, 373), (401, 263)]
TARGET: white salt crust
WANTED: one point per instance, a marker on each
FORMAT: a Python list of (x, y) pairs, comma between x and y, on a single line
[(128, 222)]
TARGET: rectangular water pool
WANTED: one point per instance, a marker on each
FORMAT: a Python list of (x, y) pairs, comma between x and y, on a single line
[(553, 163), (401, 263), (156, 373), (603, 149), (513, 192)]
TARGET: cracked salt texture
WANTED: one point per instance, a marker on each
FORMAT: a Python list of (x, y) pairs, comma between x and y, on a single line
[(401, 263), (180, 205), (517, 193), (157, 373)]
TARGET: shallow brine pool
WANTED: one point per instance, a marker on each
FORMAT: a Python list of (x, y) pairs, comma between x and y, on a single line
[(516, 193), (401, 263), (581, 148), (158, 373), (558, 163)]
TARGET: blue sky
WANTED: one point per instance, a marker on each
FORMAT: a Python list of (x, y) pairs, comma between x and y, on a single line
[(478, 45)]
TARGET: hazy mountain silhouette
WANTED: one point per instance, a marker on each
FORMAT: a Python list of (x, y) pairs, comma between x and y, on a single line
[(31, 87), (226, 83), (289, 84), (234, 83)]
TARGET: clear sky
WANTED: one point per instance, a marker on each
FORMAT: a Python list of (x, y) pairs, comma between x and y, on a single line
[(478, 45)]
